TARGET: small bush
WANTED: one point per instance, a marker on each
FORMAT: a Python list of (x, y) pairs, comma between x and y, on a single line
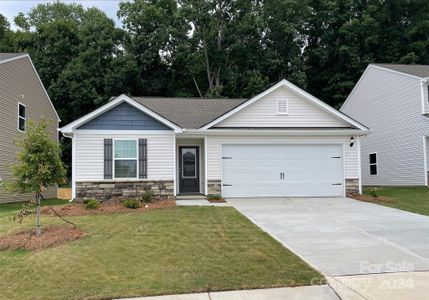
[(373, 193), (147, 197), (214, 197), (131, 203), (92, 204)]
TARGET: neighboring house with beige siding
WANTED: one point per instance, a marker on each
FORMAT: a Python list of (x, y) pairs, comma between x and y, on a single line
[(393, 101), (281, 142), (22, 98)]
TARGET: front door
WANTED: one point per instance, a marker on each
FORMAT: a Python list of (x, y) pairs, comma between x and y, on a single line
[(189, 177)]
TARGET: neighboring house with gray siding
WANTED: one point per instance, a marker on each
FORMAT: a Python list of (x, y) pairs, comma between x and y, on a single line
[(393, 101), (22, 98), (281, 142)]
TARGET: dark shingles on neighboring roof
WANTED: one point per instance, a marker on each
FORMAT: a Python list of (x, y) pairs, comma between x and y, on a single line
[(4, 56), (416, 70), (190, 113)]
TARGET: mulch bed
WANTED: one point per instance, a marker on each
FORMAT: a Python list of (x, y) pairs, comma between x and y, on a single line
[(367, 198), (78, 209), (217, 200), (51, 236)]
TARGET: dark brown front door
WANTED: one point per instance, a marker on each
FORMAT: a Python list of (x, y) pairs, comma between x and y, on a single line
[(189, 177)]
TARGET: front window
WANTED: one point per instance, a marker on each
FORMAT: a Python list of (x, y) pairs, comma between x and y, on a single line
[(21, 117), (373, 164), (125, 158)]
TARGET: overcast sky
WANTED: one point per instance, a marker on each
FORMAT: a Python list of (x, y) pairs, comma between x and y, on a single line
[(11, 8)]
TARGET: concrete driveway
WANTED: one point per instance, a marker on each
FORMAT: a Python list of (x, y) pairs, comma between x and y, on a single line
[(340, 236)]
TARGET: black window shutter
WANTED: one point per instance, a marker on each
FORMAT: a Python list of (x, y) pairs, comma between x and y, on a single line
[(142, 158), (108, 153)]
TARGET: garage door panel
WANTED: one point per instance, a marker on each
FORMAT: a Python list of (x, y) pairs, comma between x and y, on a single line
[(309, 170)]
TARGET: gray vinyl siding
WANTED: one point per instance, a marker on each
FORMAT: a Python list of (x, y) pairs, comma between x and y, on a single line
[(19, 83), (124, 117), (390, 104)]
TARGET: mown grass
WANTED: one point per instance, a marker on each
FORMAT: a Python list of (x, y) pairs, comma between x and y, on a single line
[(178, 250), (413, 199)]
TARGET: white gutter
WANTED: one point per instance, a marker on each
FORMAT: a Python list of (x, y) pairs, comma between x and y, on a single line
[(274, 132)]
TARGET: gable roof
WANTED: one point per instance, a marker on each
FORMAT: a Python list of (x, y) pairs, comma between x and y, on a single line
[(113, 103), (8, 56), (190, 113), (284, 83), (415, 70), (200, 113)]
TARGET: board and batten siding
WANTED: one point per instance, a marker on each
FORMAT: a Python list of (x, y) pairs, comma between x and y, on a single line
[(214, 148), (263, 113), (20, 84), (89, 154), (124, 117), (390, 104)]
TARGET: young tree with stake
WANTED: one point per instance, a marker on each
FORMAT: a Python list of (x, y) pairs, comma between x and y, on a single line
[(38, 166)]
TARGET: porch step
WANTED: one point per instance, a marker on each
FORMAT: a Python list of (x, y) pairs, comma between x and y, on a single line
[(191, 197)]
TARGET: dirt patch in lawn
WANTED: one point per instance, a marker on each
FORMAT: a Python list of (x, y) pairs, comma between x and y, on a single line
[(367, 198), (78, 209), (51, 236)]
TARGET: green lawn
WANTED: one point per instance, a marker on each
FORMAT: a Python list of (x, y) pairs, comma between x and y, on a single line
[(178, 250), (414, 199)]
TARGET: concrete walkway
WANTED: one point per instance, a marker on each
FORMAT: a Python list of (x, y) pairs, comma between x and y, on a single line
[(200, 202), (340, 236), (321, 292)]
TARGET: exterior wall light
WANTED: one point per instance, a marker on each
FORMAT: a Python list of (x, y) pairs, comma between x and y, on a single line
[(352, 141)]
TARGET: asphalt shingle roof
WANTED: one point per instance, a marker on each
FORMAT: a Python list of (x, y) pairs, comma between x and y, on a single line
[(190, 113), (416, 70), (4, 56)]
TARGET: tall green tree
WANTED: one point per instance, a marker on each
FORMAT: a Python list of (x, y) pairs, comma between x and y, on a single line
[(6, 35)]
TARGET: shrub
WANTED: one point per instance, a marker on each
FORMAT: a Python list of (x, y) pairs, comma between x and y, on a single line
[(92, 204), (214, 197), (147, 197), (373, 193), (131, 203)]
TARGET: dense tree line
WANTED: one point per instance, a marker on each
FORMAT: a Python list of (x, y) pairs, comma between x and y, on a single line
[(212, 48)]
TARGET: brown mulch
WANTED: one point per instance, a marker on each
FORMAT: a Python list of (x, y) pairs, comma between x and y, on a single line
[(78, 209), (51, 236), (217, 200), (367, 198)]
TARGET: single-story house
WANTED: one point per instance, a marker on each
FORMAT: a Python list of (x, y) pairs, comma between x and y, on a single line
[(281, 142)]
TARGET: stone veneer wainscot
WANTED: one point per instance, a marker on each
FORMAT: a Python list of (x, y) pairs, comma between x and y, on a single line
[(352, 186), (119, 190)]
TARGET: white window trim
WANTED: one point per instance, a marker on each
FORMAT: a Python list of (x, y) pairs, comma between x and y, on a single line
[(24, 118), (371, 164), (277, 107), (122, 158)]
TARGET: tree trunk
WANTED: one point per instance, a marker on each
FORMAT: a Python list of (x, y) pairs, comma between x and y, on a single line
[(38, 227)]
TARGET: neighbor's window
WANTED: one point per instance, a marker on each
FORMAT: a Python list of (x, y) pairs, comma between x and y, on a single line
[(282, 106), (373, 163), (125, 158), (21, 117)]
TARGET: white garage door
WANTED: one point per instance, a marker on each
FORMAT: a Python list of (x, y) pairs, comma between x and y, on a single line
[(282, 170)]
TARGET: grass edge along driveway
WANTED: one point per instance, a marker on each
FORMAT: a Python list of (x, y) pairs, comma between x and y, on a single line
[(413, 199), (178, 250)]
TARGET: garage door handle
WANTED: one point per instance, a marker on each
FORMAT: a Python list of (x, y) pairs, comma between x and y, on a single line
[(337, 184), (226, 184), (282, 176), (335, 156)]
